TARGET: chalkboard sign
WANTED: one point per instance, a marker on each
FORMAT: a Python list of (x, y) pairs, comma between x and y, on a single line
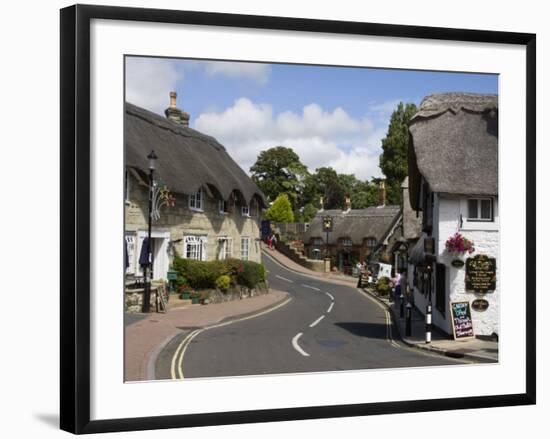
[(481, 274), (462, 320)]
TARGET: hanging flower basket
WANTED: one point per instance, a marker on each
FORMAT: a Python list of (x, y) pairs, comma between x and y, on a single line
[(458, 246)]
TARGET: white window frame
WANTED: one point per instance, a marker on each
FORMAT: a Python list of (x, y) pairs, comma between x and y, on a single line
[(131, 242), (245, 248), (474, 224), (198, 241), (245, 210), (478, 218), (193, 201), (226, 250)]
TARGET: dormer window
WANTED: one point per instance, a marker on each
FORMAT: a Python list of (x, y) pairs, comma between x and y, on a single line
[(245, 210), (223, 206), (370, 242), (196, 201), (480, 209)]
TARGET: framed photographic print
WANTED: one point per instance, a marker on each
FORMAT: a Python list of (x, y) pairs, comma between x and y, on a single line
[(272, 218)]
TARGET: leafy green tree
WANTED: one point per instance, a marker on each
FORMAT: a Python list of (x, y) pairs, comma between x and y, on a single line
[(281, 210), (305, 214), (329, 186), (393, 160), (279, 170)]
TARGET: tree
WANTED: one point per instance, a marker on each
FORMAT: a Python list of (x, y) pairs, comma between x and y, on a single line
[(281, 210), (393, 160), (305, 214), (328, 186), (279, 170)]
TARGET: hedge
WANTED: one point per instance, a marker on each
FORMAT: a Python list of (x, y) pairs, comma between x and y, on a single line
[(204, 274)]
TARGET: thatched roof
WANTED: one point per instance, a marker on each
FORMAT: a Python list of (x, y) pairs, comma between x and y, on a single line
[(412, 221), (454, 145), (188, 159), (356, 224)]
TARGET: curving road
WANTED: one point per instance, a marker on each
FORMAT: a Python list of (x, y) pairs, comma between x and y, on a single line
[(323, 327)]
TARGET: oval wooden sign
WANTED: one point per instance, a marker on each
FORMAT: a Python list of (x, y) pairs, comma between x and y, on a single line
[(457, 263), (480, 305)]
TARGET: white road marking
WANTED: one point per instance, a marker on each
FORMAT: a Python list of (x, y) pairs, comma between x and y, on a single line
[(310, 287), (330, 307), (284, 278), (329, 295), (297, 346), (389, 336), (187, 340), (316, 321)]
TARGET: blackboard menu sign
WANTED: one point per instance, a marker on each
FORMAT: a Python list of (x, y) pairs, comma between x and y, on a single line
[(481, 274), (462, 320)]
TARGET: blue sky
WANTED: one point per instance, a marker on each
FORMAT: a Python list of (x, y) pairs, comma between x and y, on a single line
[(331, 116)]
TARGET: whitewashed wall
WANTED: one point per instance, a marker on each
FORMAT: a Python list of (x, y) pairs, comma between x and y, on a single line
[(486, 241)]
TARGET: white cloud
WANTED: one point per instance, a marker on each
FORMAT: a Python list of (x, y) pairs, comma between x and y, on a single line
[(239, 70), (149, 82), (319, 137)]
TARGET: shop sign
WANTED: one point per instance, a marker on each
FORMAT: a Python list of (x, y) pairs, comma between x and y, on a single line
[(481, 274), (480, 305)]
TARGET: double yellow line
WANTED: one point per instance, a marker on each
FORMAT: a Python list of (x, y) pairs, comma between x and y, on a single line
[(176, 366)]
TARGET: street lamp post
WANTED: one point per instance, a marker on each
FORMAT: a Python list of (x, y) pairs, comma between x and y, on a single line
[(327, 227), (152, 157)]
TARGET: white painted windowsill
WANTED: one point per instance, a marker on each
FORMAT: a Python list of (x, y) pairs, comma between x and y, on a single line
[(480, 226)]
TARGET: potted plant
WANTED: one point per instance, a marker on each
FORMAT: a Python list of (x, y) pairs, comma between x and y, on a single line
[(457, 245), (185, 292)]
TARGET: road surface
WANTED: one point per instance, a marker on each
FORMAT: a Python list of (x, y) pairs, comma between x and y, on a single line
[(322, 327)]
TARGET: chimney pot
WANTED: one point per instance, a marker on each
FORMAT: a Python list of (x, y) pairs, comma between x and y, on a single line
[(173, 98), (174, 113), (382, 193)]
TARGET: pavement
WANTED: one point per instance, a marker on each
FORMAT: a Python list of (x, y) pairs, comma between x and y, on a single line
[(477, 349), (148, 334)]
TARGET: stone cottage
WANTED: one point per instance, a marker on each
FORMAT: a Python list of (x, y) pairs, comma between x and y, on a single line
[(357, 233), (453, 180), (217, 206)]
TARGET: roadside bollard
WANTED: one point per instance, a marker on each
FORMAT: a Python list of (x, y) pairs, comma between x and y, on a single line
[(429, 323), (401, 306), (408, 320)]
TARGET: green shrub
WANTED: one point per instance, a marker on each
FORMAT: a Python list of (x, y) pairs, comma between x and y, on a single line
[(383, 286), (251, 274), (223, 282), (205, 274)]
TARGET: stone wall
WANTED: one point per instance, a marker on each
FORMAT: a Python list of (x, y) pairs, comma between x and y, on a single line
[(133, 300), (181, 220)]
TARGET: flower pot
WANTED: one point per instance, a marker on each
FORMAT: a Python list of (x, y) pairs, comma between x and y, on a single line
[(195, 300), (185, 295)]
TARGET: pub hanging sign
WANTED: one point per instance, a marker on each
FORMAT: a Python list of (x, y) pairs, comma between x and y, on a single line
[(481, 274)]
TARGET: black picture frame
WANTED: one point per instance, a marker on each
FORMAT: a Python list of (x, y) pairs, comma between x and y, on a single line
[(75, 217)]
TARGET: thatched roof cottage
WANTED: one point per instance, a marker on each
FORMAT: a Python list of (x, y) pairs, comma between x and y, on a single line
[(453, 181)]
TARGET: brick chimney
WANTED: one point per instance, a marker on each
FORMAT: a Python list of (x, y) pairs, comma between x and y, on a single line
[(381, 193), (174, 113)]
